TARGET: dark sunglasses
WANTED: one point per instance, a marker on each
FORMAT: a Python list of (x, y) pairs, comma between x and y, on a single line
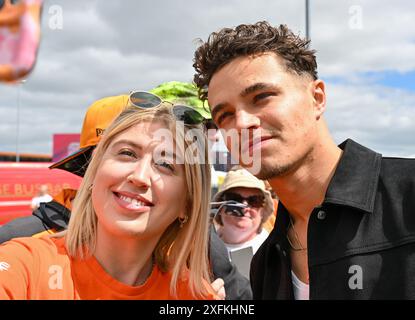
[(147, 100), (256, 201), (229, 207)]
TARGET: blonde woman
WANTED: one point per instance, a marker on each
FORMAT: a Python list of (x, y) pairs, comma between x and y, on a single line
[(139, 224)]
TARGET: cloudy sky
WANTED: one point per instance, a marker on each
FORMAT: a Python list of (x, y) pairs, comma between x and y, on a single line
[(365, 51)]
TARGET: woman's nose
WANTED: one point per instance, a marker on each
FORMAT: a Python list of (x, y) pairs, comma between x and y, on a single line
[(141, 175)]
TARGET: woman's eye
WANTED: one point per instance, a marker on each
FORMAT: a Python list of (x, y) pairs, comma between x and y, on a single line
[(165, 164), (127, 153)]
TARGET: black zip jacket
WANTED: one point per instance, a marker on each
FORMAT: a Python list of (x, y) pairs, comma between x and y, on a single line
[(361, 240)]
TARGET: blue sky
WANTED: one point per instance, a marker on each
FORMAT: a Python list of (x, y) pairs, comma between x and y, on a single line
[(393, 79), (388, 78)]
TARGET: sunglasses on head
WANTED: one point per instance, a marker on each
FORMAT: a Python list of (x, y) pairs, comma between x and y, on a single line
[(147, 100), (255, 201)]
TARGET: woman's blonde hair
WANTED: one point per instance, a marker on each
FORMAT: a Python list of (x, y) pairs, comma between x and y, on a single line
[(180, 249)]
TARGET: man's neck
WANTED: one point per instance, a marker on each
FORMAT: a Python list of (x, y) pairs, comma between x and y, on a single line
[(305, 188)]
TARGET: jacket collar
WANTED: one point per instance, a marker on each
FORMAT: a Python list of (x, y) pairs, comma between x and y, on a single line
[(353, 184), (355, 180)]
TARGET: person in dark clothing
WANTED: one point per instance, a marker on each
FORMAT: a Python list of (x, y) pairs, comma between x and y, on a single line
[(54, 216), (237, 287), (345, 226), (49, 217)]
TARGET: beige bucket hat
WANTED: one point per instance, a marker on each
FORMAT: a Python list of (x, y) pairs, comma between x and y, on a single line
[(242, 178)]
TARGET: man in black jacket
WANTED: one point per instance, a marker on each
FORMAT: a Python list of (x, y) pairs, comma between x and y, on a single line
[(345, 225)]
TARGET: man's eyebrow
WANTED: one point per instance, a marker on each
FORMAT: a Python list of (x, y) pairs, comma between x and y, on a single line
[(256, 87)]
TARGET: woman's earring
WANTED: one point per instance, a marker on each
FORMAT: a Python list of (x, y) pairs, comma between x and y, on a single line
[(183, 220)]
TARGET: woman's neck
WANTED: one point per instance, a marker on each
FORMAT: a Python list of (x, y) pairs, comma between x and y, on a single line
[(127, 260)]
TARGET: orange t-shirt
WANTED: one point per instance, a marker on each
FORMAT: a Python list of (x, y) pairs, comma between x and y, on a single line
[(40, 268)]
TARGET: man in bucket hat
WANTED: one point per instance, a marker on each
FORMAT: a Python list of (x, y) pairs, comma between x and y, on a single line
[(243, 229)]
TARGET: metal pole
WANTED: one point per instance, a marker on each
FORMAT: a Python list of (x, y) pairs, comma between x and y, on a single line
[(18, 121), (307, 19)]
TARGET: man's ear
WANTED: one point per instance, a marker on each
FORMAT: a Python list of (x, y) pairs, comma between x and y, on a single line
[(319, 97)]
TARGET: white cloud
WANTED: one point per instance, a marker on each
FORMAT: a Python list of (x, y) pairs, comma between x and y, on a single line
[(109, 47), (385, 41), (378, 117)]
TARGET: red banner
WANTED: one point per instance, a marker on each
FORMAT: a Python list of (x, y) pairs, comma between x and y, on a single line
[(20, 182), (64, 144)]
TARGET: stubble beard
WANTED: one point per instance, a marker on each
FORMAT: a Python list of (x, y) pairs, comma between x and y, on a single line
[(276, 170)]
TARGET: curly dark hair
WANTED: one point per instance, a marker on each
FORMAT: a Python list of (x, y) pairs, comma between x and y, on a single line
[(251, 39)]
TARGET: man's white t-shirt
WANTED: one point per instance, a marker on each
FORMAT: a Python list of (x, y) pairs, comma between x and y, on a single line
[(301, 289)]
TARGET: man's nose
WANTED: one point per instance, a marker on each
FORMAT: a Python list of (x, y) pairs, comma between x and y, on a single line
[(246, 120)]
